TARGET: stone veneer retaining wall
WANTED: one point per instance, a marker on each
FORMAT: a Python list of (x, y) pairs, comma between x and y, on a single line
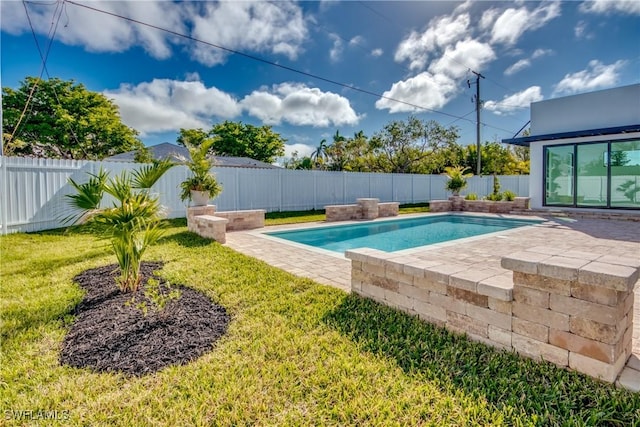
[(459, 204), (365, 208), (574, 312), (243, 220), (204, 221)]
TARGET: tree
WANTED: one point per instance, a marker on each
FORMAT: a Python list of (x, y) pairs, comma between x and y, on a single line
[(401, 145), (63, 120), (192, 137), (296, 162), (497, 159), (319, 155), (359, 157), (245, 140), (336, 152)]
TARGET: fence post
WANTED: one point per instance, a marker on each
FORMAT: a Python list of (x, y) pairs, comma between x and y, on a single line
[(315, 191), (281, 189), (5, 196), (236, 198)]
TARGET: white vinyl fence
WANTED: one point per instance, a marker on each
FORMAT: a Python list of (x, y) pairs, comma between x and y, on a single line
[(33, 190)]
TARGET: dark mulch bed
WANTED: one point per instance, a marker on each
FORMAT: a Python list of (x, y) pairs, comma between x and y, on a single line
[(109, 335)]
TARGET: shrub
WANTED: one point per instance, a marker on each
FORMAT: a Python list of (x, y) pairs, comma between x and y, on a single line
[(457, 178), (496, 184), (133, 219), (494, 197), (471, 196), (508, 196)]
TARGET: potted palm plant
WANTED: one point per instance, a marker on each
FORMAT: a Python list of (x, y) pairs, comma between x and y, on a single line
[(201, 186), (457, 178)]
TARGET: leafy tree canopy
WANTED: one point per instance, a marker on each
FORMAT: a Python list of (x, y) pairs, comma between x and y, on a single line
[(402, 145), (238, 139), (63, 120), (411, 146), (245, 140)]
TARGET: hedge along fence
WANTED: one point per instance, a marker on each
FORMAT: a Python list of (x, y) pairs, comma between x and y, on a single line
[(33, 190)]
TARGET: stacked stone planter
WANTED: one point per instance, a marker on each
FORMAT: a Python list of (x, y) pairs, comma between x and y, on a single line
[(459, 204), (365, 208)]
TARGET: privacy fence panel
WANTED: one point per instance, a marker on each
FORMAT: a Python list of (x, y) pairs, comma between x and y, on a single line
[(34, 190), (401, 188), (381, 185), (358, 185), (298, 190), (330, 189)]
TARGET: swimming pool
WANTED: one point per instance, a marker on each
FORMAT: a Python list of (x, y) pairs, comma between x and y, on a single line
[(399, 234)]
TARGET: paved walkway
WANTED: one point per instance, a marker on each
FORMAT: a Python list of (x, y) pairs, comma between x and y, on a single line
[(611, 237)]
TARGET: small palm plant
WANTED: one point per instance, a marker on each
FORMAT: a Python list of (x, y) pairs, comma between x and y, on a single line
[(133, 219), (457, 178), (200, 165)]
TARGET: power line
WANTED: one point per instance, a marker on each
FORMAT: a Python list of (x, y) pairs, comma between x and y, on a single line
[(266, 61), (44, 57), (51, 35), (469, 113)]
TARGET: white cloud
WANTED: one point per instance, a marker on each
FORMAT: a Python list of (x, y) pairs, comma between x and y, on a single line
[(434, 88), (515, 102), (377, 52), (605, 6), (488, 18), (517, 66), (299, 105), (356, 41), (538, 53), (450, 46), (441, 32), (447, 49), (336, 50), (463, 7), (456, 61), (526, 63), (261, 26), (580, 29), (97, 32), (512, 23), (278, 28), (303, 150), (166, 105), (596, 76), (425, 90)]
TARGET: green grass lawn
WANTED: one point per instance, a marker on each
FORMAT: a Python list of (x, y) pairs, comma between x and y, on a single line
[(296, 353)]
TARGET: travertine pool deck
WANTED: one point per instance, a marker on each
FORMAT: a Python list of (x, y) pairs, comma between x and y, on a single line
[(565, 236)]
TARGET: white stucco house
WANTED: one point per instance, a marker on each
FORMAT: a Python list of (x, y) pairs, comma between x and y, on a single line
[(585, 151)]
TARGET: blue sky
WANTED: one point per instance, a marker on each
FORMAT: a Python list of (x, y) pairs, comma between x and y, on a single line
[(418, 52)]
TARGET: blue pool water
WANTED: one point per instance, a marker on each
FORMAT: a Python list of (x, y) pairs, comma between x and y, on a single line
[(396, 235)]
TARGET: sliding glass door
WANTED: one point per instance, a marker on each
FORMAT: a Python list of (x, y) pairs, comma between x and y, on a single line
[(559, 175), (625, 174), (592, 184), (593, 175)]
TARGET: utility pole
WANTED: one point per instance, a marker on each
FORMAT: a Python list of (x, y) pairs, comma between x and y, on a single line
[(478, 107)]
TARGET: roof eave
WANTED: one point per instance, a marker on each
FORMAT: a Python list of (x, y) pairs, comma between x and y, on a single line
[(527, 140)]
